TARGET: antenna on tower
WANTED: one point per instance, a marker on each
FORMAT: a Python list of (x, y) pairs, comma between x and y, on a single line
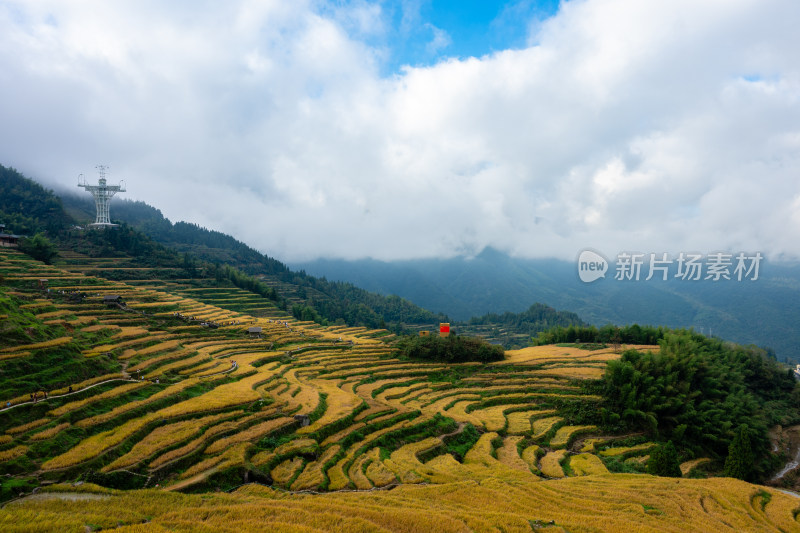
[(102, 195)]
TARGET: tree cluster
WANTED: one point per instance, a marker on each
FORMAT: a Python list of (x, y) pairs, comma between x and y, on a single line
[(739, 463), (664, 461), (27, 208), (536, 319), (609, 334), (39, 247), (696, 391), (450, 349)]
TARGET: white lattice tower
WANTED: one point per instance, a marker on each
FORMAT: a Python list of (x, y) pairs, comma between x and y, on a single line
[(102, 195)]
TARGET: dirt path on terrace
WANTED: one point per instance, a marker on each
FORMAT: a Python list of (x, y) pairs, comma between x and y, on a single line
[(53, 396)]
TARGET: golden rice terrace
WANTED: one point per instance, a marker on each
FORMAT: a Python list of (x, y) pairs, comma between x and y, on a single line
[(206, 388)]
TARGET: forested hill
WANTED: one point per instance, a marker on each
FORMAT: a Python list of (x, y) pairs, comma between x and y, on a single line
[(309, 297), (26, 207), (765, 312), (539, 316), (189, 251), (509, 329), (515, 330), (184, 237)]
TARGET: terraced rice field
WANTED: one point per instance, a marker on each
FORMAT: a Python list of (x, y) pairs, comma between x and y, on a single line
[(612, 503), (309, 408)]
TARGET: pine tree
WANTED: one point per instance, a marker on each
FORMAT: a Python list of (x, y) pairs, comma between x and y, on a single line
[(739, 463), (664, 461)]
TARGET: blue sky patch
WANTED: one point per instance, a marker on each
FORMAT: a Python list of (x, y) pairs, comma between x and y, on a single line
[(424, 32)]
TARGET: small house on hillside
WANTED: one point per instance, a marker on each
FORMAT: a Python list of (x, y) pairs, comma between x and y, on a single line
[(255, 332), (8, 240), (112, 299)]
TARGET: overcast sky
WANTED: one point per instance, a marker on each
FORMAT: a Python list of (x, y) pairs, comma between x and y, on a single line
[(419, 128)]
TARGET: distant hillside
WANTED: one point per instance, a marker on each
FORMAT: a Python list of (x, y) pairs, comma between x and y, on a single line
[(307, 297), (299, 288), (26, 207), (515, 330), (182, 236), (195, 252), (765, 312)]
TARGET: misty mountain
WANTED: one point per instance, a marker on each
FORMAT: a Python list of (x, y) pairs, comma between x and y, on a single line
[(189, 251), (763, 312)]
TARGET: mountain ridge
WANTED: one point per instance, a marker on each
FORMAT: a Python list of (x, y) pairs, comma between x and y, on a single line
[(751, 312)]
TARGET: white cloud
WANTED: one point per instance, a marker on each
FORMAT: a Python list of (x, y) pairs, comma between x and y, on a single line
[(440, 41), (657, 126)]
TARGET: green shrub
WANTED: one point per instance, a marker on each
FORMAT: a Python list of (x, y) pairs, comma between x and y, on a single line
[(664, 461), (39, 247), (695, 391), (450, 349)]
